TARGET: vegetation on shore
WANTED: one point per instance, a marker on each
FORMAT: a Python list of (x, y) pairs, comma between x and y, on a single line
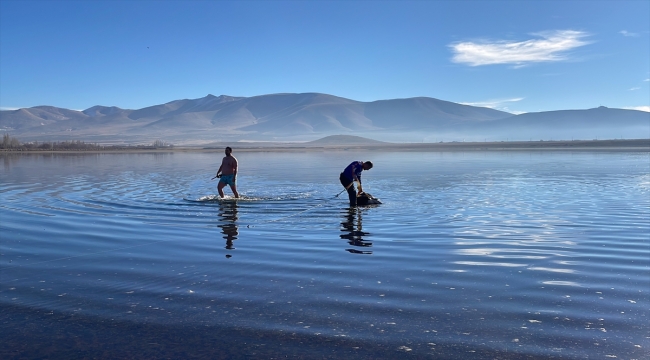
[(13, 144), (10, 144)]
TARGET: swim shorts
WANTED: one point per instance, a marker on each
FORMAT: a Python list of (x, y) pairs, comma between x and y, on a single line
[(228, 179)]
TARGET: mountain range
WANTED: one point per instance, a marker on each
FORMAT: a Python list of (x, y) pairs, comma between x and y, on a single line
[(309, 116)]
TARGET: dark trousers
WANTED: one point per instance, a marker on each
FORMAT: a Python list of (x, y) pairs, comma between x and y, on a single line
[(352, 193)]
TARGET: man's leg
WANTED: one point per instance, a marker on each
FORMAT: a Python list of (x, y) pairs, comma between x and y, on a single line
[(349, 185), (352, 194), (220, 188), (234, 190)]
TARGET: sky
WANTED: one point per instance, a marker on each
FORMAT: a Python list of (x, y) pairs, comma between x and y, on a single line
[(515, 56)]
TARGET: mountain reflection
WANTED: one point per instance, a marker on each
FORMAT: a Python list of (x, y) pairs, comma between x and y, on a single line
[(353, 231), (229, 228)]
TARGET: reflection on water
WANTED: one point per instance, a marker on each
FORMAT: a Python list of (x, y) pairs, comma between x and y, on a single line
[(228, 218), (352, 229), (475, 255)]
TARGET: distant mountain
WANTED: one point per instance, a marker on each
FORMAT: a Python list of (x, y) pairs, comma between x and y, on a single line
[(309, 116), (335, 140), (601, 123), (594, 118)]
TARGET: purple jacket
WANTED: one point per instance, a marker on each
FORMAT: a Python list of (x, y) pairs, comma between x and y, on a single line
[(356, 167)]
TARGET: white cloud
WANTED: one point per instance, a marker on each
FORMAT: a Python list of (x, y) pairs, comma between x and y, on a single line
[(8, 108), (640, 108), (634, 88), (498, 104), (646, 80), (627, 33), (551, 47)]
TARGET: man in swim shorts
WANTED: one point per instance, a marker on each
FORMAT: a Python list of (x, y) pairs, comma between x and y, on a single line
[(351, 174), (228, 176)]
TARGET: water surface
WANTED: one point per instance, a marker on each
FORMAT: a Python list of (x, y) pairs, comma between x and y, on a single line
[(471, 255)]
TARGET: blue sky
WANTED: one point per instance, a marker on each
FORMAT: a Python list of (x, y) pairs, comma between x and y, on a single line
[(517, 56)]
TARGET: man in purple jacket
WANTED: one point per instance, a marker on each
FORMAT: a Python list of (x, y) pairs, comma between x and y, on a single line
[(351, 174)]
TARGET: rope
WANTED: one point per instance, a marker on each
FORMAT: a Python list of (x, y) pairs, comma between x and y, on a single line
[(295, 214)]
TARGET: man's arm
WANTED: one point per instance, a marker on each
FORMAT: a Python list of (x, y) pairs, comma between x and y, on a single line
[(218, 171), (359, 178), (355, 177)]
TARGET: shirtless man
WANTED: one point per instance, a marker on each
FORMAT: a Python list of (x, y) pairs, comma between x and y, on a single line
[(228, 176)]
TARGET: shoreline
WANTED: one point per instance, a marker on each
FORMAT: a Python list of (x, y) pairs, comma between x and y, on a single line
[(642, 145)]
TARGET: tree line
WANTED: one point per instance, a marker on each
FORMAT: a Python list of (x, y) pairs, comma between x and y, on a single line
[(11, 143)]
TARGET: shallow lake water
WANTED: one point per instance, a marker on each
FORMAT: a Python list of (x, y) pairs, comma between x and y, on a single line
[(516, 254)]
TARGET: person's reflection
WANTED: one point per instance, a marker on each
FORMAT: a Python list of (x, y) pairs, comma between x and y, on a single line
[(229, 228), (353, 231)]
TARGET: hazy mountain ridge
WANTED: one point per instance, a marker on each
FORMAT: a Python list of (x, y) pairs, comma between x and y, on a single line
[(309, 116), (337, 140), (596, 123)]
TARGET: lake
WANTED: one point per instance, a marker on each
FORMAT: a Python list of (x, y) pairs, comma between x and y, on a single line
[(472, 255)]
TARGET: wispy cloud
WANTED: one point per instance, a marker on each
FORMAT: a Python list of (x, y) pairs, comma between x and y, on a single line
[(8, 108), (640, 108), (634, 88), (646, 80), (627, 33), (552, 46), (498, 104)]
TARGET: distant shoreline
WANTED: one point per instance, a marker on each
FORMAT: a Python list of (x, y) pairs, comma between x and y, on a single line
[(573, 145)]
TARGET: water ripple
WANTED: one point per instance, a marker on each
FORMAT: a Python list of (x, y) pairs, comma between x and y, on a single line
[(540, 255)]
